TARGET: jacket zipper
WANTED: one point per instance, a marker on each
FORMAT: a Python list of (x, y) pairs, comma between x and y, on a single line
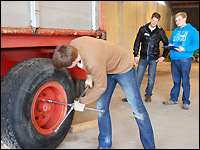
[(149, 44), (148, 51)]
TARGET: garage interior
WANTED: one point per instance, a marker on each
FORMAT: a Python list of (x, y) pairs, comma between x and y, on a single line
[(174, 128)]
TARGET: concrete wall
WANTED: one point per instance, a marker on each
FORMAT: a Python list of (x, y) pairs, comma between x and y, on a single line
[(124, 18)]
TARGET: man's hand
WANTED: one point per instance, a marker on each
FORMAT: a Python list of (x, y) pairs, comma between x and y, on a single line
[(136, 60), (160, 59), (78, 106), (89, 81), (180, 49)]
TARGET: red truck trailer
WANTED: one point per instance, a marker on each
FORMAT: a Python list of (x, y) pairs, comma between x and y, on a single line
[(30, 32)]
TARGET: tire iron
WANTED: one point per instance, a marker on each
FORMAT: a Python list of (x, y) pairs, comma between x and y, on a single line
[(72, 107)]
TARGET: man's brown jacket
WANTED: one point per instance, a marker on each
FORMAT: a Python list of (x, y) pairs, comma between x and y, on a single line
[(100, 58)]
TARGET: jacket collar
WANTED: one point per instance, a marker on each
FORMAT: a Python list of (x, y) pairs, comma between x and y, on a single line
[(147, 26)]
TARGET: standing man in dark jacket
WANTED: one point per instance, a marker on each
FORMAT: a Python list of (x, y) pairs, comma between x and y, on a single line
[(149, 36)]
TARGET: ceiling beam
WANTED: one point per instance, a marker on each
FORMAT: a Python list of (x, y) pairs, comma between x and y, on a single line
[(182, 4)]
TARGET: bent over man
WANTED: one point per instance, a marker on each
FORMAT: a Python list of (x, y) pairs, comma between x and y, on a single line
[(108, 64)]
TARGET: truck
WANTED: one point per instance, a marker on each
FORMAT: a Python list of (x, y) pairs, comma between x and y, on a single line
[(30, 32)]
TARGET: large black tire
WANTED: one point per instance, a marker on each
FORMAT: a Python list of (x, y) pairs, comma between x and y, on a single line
[(18, 88)]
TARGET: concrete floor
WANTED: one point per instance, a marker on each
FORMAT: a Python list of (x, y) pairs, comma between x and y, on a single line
[(174, 128)]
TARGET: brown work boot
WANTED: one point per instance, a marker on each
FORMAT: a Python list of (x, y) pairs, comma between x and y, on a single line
[(185, 106), (148, 99)]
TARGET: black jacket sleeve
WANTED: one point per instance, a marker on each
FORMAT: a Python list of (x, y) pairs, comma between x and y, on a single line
[(137, 42), (164, 39)]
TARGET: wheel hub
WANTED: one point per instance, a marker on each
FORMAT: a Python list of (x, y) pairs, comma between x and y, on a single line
[(43, 106), (47, 116)]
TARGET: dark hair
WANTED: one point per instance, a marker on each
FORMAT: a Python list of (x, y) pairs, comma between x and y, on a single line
[(156, 15), (64, 55)]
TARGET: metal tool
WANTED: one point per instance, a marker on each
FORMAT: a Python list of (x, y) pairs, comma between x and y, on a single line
[(56, 129), (72, 107), (51, 101)]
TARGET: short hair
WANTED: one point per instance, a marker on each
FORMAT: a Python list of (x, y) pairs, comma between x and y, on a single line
[(183, 14), (64, 55), (156, 15)]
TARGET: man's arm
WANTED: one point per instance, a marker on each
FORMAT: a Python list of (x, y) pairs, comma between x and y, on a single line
[(164, 39), (194, 44), (99, 76), (137, 42)]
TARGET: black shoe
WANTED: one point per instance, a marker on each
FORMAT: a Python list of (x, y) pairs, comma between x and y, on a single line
[(148, 99), (124, 100)]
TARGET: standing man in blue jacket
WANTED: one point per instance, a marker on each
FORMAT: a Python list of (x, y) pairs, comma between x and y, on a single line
[(149, 36), (186, 38)]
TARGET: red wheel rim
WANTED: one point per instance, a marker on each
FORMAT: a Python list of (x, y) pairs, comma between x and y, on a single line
[(47, 116)]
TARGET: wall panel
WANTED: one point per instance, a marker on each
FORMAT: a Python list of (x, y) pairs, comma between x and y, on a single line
[(124, 18)]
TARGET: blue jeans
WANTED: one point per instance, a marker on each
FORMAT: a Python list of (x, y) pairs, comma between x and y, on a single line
[(129, 84), (181, 70), (142, 65)]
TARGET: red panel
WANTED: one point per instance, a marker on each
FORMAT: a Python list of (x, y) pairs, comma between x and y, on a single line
[(77, 73), (17, 41), (21, 43), (10, 57), (44, 31)]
